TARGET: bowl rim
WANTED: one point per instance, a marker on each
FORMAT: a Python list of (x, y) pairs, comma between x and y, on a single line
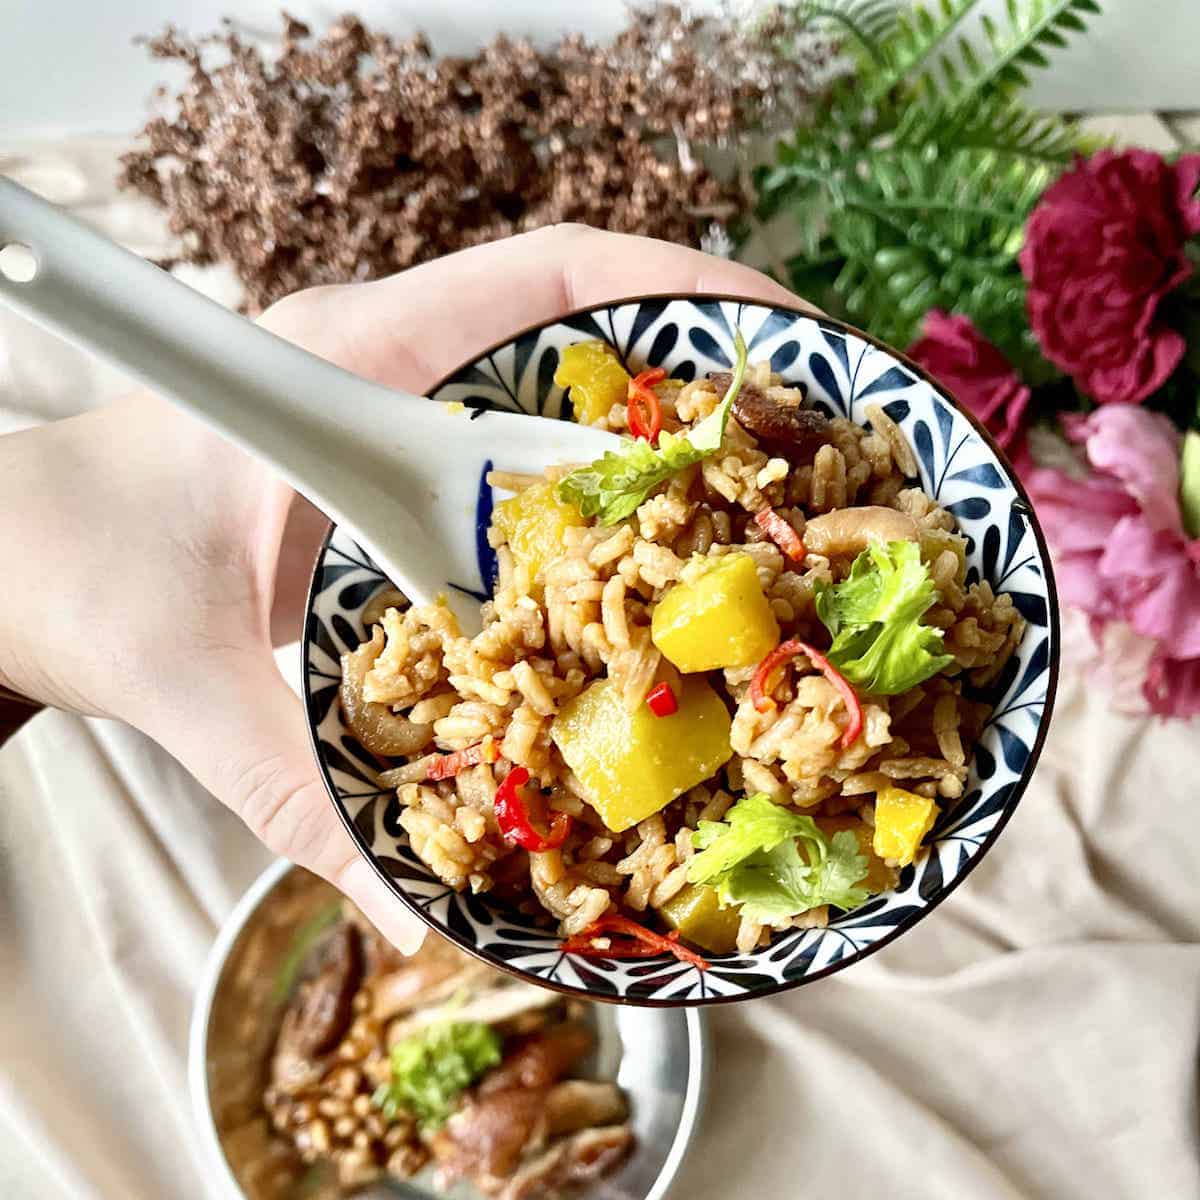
[(198, 1026), (838, 326), (699, 1043)]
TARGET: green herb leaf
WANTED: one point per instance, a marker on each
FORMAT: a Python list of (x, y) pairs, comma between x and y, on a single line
[(775, 863), (432, 1068), (754, 823), (840, 873), (1189, 482), (613, 486), (875, 615), (769, 886)]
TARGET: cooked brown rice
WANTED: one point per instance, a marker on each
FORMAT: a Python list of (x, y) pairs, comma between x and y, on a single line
[(587, 615)]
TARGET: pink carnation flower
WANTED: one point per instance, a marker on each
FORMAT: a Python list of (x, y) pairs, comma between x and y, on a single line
[(1121, 550), (1104, 245), (953, 351)]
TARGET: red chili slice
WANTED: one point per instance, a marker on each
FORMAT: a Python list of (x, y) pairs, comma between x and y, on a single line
[(784, 653), (631, 940), (661, 700), (781, 533), (644, 413), (446, 766), (514, 820)]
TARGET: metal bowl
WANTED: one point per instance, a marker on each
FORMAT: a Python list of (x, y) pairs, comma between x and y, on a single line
[(660, 1057)]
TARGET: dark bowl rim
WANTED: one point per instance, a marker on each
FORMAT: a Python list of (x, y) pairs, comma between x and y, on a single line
[(836, 326)]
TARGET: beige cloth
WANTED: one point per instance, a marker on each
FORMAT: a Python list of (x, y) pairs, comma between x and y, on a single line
[(1036, 1037)]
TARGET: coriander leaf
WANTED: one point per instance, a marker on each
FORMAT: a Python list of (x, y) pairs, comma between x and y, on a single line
[(775, 863), (842, 871), (612, 487), (754, 823), (769, 886), (797, 875), (432, 1068), (875, 615)]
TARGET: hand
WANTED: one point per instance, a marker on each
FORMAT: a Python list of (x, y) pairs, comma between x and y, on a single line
[(149, 565)]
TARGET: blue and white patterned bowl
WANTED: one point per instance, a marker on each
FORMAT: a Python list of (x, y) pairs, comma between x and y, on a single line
[(844, 370)]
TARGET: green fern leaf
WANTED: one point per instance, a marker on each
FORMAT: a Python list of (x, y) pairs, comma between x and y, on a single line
[(868, 22), (1032, 26), (1071, 21), (996, 123), (921, 231), (918, 39)]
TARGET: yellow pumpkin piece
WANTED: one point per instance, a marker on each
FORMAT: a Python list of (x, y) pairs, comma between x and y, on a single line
[(631, 764), (902, 819), (533, 523), (697, 913), (716, 616), (879, 877), (596, 378)]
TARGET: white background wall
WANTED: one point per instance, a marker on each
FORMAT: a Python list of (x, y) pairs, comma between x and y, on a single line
[(69, 66)]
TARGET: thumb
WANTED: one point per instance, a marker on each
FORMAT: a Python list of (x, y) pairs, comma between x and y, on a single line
[(243, 736)]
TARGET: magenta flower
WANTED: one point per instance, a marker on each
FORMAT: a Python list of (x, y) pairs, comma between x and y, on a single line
[(1102, 248), (979, 377), (1172, 686), (1121, 550)]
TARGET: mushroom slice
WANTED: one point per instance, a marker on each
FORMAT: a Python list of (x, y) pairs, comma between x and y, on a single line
[(375, 725), (577, 1104), (849, 530)]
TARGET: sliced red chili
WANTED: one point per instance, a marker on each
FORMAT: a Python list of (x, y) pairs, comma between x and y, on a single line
[(514, 821), (644, 413), (762, 683), (781, 533), (661, 700), (629, 940), (446, 766)]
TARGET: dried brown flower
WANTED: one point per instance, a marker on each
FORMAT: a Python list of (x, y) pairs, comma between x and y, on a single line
[(355, 154)]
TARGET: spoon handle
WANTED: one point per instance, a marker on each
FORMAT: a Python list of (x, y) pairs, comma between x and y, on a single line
[(310, 420), (209, 360)]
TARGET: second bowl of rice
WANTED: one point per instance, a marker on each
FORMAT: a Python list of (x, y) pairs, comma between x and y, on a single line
[(750, 696)]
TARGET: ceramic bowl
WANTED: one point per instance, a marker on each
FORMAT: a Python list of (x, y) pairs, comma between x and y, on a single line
[(661, 1059), (844, 370)]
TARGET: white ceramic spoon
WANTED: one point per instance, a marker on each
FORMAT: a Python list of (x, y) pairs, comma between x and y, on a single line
[(401, 471)]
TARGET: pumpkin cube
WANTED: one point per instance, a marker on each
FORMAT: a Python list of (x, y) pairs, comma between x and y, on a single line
[(716, 616), (632, 764), (902, 819), (533, 523), (596, 378)]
